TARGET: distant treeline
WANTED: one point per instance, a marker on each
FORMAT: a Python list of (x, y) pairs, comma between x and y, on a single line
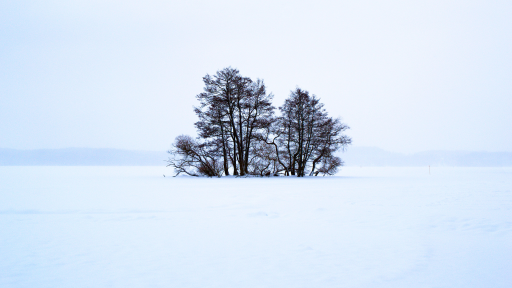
[(240, 134), (80, 157), (370, 156)]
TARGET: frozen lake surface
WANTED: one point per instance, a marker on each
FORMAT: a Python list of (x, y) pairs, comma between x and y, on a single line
[(369, 227)]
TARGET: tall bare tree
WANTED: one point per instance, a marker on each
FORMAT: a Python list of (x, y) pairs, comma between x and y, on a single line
[(309, 135), (233, 110)]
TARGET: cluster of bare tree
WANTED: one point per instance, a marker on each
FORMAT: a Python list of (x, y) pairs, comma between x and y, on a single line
[(240, 134)]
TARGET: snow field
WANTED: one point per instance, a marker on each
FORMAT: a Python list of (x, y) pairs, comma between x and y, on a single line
[(368, 227)]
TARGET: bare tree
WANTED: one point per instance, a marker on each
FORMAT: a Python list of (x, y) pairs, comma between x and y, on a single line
[(329, 139), (212, 112), (233, 111), (310, 135), (301, 116)]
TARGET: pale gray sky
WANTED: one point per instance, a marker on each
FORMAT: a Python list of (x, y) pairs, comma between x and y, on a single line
[(405, 76)]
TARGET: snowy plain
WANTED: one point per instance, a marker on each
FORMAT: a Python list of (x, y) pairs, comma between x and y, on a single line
[(367, 227)]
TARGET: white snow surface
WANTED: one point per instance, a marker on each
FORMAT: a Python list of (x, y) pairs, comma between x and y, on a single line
[(367, 227)]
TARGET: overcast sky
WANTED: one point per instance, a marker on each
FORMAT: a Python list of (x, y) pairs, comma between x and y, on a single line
[(406, 76)]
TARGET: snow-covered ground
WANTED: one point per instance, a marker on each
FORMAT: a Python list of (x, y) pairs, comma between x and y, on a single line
[(368, 227)]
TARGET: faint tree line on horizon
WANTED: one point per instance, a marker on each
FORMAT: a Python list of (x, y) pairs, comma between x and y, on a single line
[(240, 134)]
